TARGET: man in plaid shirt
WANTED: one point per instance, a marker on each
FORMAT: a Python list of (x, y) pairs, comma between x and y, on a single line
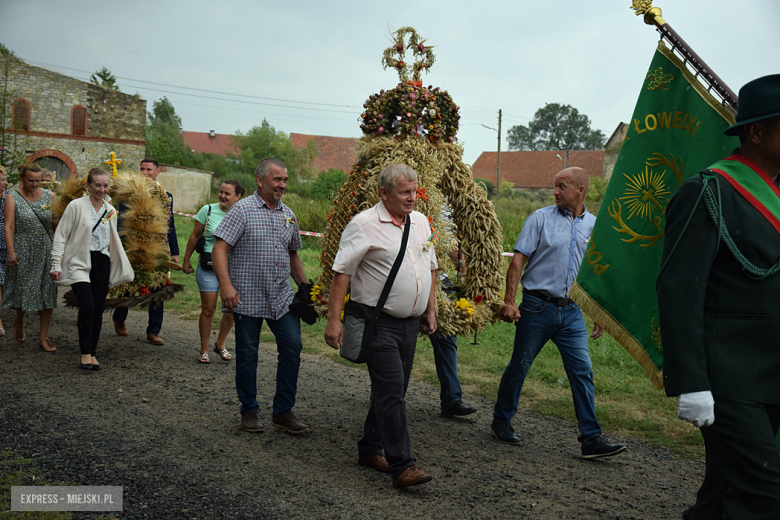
[(255, 252)]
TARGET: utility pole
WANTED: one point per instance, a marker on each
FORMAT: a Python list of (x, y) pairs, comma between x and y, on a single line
[(498, 161)]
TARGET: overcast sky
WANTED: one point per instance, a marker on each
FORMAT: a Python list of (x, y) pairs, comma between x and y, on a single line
[(512, 55)]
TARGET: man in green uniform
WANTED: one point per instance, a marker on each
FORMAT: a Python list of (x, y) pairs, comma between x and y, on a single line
[(719, 303)]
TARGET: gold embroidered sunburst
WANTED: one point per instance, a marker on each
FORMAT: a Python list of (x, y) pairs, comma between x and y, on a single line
[(645, 193)]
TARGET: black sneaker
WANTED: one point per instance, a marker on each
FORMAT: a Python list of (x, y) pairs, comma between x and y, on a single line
[(458, 408), (599, 447), (502, 430)]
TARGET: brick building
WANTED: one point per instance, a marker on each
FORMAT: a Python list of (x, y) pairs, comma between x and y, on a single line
[(334, 152), (534, 172), (70, 126)]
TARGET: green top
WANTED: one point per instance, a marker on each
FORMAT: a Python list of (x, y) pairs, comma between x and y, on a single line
[(213, 221)]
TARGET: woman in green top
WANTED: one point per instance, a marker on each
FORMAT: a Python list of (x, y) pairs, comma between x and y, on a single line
[(206, 221)]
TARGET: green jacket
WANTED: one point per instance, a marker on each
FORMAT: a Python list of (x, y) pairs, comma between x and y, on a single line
[(720, 328)]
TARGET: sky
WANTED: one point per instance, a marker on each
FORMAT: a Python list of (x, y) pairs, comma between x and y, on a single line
[(308, 66)]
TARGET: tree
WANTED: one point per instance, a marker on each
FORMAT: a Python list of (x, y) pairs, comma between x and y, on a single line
[(164, 138), (104, 78), (326, 185), (556, 127), (12, 144), (264, 141)]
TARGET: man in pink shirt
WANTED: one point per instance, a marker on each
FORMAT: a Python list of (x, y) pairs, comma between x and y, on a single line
[(367, 250)]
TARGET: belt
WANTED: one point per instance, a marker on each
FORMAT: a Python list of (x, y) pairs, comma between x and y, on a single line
[(560, 302)]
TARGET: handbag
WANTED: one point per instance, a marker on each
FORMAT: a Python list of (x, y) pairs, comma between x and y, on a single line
[(360, 320), (205, 262), (202, 240)]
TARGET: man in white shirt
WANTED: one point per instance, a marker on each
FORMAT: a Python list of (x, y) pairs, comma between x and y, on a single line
[(367, 250)]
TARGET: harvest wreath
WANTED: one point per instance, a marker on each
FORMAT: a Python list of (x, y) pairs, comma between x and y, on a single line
[(144, 232)]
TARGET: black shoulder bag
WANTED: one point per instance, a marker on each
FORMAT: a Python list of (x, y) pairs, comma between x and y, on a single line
[(360, 320), (202, 240)]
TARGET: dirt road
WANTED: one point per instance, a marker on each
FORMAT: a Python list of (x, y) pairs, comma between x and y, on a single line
[(166, 428)]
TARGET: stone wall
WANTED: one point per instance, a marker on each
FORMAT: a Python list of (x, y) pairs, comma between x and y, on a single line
[(85, 154), (612, 149), (115, 121), (52, 96), (190, 188)]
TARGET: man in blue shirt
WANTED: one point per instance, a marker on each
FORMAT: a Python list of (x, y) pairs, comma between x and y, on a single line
[(552, 242)]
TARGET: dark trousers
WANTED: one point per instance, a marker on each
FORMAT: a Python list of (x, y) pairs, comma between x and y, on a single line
[(390, 365), (91, 298), (742, 479), (155, 316)]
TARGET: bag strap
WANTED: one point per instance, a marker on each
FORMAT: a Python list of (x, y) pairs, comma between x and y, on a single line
[(206, 225), (100, 218), (393, 272), (36, 214)]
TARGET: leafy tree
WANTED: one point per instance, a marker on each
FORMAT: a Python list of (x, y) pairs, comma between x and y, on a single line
[(556, 127), (104, 78), (326, 185), (12, 144), (264, 141), (506, 188), (164, 138), (485, 184)]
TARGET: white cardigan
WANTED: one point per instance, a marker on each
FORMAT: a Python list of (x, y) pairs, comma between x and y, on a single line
[(72, 242)]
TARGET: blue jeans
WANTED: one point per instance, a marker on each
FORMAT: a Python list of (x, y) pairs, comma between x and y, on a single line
[(445, 354), (287, 330), (155, 317), (541, 321)]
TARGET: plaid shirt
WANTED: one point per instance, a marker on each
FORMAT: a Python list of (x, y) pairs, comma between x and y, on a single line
[(259, 261)]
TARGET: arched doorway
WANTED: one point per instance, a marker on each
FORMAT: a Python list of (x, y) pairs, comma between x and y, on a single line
[(57, 166)]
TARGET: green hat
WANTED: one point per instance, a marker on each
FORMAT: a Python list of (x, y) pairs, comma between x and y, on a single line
[(758, 99)]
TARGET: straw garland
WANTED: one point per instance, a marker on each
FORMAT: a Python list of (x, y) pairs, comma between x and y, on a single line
[(416, 126), (144, 233)]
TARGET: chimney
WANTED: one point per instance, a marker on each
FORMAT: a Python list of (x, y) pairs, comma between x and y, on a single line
[(212, 133)]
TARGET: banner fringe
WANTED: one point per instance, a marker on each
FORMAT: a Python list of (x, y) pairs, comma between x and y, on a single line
[(617, 331)]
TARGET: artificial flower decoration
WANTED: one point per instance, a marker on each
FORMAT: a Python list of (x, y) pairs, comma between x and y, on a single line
[(422, 194), (464, 305), (315, 292)]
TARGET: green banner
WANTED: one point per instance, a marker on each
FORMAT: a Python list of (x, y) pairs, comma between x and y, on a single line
[(676, 130)]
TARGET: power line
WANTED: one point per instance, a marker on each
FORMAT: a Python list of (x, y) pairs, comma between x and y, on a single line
[(197, 89)]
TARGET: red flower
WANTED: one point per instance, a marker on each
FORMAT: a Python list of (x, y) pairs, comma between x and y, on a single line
[(168, 282), (478, 298), (421, 193)]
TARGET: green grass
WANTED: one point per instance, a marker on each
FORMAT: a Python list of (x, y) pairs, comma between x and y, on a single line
[(626, 402)]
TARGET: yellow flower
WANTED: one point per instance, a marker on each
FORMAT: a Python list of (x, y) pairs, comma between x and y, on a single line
[(315, 292), (464, 305)]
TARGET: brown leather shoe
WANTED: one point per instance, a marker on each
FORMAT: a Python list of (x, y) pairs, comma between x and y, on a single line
[(250, 422), (47, 345), (288, 421), (378, 462), (154, 339), (121, 328), (411, 476)]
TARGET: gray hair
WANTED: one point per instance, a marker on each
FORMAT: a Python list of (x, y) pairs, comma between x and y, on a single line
[(265, 165), (388, 177)]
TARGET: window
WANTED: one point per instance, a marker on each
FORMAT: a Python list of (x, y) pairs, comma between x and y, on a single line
[(21, 115), (78, 120)]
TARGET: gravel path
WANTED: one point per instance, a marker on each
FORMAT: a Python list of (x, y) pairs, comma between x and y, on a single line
[(166, 428)]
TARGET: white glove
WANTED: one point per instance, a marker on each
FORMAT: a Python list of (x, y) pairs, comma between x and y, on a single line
[(698, 408)]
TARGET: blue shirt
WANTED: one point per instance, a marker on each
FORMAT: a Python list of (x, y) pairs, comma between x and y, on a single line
[(554, 243)]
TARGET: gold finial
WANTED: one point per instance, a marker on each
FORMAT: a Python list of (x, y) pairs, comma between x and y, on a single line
[(424, 54), (652, 14)]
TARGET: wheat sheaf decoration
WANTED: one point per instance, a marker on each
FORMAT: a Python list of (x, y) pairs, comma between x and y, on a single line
[(144, 228), (417, 126)]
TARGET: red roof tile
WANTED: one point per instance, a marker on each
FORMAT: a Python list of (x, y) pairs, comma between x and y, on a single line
[(536, 169), (334, 152), (202, 142)]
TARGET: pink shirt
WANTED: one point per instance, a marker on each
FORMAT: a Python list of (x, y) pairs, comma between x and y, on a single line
[(368, 248)]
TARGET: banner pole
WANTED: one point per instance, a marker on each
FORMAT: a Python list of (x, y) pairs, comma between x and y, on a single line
[(652, 16)]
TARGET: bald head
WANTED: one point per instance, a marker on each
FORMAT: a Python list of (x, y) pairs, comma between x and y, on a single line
[(571, 185)]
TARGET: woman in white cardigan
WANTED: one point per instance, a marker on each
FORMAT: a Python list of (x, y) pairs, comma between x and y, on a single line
[(87, 254)]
